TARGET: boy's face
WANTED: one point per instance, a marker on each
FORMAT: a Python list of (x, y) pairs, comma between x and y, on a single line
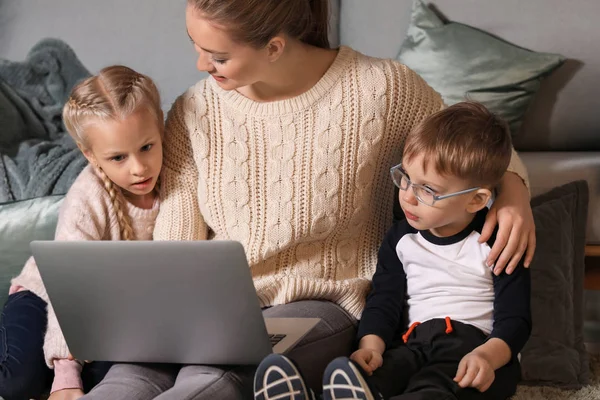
[(445, 217)]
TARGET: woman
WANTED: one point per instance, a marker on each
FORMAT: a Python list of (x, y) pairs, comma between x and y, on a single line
[(287, 148)]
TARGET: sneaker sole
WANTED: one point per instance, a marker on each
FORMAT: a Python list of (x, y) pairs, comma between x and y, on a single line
[(356, 384), (294, 392)]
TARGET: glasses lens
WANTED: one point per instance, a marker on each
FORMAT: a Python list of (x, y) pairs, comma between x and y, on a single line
[(399, 178), (424, 195)]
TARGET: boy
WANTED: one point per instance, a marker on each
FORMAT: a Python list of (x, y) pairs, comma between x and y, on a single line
[(466, 326)]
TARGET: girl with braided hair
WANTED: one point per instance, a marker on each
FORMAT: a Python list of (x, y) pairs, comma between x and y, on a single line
[(116, 120)]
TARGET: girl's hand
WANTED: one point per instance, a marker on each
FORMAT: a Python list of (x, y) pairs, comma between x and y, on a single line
[(66, 394), (516, 229)]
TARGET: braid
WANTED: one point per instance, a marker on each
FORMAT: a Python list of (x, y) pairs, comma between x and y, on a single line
[(136, 81), (81, 105), (117, 202), (113, 94)]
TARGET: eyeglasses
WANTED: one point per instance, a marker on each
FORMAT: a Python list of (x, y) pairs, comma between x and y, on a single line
[(423, 194)]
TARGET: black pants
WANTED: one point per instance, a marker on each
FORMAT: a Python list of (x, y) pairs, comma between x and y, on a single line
[(424, 367), (23, 370)]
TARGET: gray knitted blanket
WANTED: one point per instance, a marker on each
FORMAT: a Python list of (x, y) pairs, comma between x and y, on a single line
[(37, 156)]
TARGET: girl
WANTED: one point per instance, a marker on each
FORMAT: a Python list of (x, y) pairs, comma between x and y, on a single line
[(285, 147), (116, 120)]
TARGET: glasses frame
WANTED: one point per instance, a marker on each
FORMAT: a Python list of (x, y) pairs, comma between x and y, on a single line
[(410, 184)]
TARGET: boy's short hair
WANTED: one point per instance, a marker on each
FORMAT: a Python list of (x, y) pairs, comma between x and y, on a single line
[(465, 140)]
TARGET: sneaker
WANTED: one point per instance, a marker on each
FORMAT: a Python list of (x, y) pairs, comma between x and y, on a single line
[(278, 378), (344, 380)]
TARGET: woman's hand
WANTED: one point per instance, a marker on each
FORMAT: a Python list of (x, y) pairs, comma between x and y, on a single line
[(516, 229), (66, 394)]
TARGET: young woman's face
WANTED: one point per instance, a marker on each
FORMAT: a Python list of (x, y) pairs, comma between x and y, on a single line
[(231, 64), (129, 151)]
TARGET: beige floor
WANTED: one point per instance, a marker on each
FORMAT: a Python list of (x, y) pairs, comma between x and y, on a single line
[(591, 392)]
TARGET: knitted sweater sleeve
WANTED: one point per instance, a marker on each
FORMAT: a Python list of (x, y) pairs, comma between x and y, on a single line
[(516, 165), (179, 217)]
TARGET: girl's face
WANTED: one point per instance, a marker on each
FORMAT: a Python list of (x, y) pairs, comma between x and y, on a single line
[(129, 151), (231, 64)]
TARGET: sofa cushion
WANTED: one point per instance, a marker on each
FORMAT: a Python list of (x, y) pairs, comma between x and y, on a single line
[(464, 63), (20, 223), (555, 353)]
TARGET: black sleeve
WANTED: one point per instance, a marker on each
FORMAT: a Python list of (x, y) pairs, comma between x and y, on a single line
[(512, 293), (512, 311), (384, 309)]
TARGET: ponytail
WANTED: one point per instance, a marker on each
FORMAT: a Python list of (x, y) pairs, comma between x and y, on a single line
[(318, 35), (257, 21)]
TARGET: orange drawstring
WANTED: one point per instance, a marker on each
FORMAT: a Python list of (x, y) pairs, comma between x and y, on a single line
[(448, 326), (411, 328), (409, 331)]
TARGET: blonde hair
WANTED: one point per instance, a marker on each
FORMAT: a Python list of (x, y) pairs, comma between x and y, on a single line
[(114, 94), (255, 22), (464, 140)]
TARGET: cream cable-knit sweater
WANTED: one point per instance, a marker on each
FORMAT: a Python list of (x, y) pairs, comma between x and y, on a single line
[(302, 183), (85, 214)]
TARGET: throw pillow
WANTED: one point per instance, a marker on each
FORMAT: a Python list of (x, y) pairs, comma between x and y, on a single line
[(555, 354), (461, 62), (20, 223)]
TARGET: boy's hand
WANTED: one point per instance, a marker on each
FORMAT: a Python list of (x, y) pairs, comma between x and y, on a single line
[(475, 371), (66, 394), (369, 360)]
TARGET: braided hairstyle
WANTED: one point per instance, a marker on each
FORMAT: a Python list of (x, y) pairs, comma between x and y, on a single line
[(114, 94)]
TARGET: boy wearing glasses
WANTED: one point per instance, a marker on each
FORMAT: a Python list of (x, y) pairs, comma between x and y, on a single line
[(438, 324)]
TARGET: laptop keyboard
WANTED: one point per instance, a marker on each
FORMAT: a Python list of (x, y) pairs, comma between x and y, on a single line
[(274, 338)]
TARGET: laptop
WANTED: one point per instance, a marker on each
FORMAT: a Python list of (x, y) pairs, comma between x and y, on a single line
[(161, 301)]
